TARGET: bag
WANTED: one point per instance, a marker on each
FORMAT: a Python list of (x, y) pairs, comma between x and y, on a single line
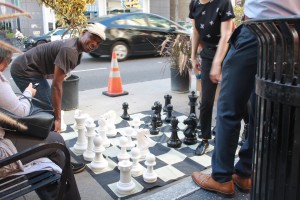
[(38, 121)]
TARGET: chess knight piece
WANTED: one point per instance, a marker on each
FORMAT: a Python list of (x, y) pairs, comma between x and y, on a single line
[(190, 135), (157, 111), (143, 142), (174, 140)]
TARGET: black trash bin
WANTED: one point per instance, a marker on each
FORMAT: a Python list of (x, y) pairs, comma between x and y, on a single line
[(276, 162), (70, 93)]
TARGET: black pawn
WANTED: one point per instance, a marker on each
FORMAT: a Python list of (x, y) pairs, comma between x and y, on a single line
[(190, 131), (193, 102), (154, 130), (125, 115), (174, 141), (157, 111), (167, 102), (169, 113)]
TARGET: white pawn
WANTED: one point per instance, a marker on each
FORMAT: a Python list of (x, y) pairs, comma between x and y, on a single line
[(77, 113), (136, 166), (63, 125), (89, 154), (102, 130), (99, 163), (123, 155), (136, 122), (125, 185), (150, 175), (128, 134), (81, 143)]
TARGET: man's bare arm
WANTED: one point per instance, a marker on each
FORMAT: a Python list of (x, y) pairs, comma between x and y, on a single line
[(56, 94)]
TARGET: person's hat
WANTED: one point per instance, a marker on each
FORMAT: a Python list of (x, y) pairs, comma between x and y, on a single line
[(97, 29)]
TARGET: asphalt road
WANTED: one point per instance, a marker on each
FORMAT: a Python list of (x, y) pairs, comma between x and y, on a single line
[(94, 72)]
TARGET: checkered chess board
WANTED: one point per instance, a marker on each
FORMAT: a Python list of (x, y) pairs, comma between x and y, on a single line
[(171, 164)]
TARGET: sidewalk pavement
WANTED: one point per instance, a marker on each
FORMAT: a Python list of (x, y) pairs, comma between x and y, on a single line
[(141, 98)]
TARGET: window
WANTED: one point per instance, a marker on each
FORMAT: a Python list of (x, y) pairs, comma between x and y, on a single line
[(132, 20), (159, 22)]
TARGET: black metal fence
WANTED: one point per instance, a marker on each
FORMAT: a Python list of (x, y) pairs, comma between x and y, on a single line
[(276, 165)]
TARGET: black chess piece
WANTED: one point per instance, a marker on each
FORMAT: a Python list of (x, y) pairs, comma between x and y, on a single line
[(167, 102), (157, 111), (125, 114), (169, 113), (190, 136), (174, 140), (154, 130), (193, 102)]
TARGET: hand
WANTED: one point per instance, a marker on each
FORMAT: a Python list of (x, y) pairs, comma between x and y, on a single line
[(31, 89), (215, 73), (196, 64), (57, 126)]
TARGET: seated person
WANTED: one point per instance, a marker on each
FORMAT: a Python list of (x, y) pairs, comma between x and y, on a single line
[(21, 107)]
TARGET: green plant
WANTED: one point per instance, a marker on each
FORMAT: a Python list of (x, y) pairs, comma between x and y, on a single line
[(238, 12), (177, 50)]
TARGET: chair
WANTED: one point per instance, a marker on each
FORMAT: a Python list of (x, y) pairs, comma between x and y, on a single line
[(15, 186)]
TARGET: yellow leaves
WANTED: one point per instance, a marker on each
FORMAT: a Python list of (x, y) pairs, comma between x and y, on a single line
[(69, 13)]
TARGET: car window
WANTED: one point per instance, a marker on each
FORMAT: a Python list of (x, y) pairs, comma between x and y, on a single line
[(60, 32), (159, 22), (132, 20)]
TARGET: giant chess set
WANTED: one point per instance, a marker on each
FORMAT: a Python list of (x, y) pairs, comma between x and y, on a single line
[(130, 154)]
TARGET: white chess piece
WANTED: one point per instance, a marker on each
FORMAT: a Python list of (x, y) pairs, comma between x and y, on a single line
[(99, 163), (123, 155), (136, 166), (77, 113), (128, 133), (102, 130), (81, 143), (136, 122), (142, 142), (63, 125), (125, 185), (150, 175), (89, 154), (110, 117)]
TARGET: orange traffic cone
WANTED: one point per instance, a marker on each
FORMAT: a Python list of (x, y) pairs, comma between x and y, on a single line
[(114, 83)]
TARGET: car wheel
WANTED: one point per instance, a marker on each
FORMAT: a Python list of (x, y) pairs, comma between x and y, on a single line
[(40, 42), (94, 55), (121, 50)]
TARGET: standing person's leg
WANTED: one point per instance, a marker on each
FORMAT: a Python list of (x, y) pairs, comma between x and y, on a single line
[(48, 192), (43, 91), (206, 106), (239, 71)]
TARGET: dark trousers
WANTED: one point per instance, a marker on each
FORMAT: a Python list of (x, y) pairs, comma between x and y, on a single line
[(238, 79), (50, 191), (207, 101), (43, 91)]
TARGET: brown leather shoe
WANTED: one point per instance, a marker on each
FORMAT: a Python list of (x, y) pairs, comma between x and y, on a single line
[(206, 182), (243, 184)]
